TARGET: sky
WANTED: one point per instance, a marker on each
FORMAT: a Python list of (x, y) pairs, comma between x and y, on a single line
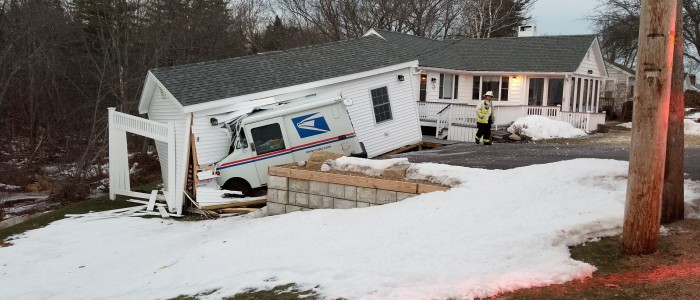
[(562, 17)]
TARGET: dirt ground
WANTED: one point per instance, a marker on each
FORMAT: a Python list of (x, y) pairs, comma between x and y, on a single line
[(671, 273)]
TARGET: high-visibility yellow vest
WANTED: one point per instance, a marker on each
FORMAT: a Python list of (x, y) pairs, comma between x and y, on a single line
[(484, 111)]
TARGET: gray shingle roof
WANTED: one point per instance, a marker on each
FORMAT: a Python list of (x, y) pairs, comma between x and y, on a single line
[(221, 79), (521, 54), (214, 80)]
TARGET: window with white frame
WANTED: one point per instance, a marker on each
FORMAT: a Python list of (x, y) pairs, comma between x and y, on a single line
[(496, 84), (381, 105), (448, 86)]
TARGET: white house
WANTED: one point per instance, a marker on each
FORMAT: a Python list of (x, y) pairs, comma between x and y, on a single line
[(528, 75), (188, 97)]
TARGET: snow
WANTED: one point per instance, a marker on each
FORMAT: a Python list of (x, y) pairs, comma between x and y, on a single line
[(494, 231), (539, 128), (690, 127), (367, 166), (694, 116), (9, 187)]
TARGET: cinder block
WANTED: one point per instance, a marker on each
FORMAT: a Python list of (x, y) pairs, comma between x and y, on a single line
[(318, 188), (384, 197), (343, 204), (298, 185), (293, 208), (302, 200), (275, 209), (336, 190), (282, 197), (277, 182), (368, 195), (315, 201), (327, 202), (362, 204), (271, 195), (403, 196), (292, 198), (395, 172), (350, 192)]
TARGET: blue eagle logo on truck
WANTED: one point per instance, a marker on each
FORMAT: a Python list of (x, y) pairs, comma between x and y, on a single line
[(310, 125)]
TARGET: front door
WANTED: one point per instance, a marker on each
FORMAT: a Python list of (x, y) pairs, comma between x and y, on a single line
[(423, 86), (270, 145)]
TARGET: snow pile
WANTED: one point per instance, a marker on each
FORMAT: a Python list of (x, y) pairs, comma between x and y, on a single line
[(497, 231), (626, 125), (693, 116), (691, 127), (9, 187), (538, 128), (367, 166)]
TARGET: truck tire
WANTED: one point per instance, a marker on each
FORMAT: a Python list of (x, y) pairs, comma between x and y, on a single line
[(237, 184)]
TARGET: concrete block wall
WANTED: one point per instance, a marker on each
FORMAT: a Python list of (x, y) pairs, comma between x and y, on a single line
[(285, 195)]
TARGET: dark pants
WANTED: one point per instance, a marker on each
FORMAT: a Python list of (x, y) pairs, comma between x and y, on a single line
[(483, 131)]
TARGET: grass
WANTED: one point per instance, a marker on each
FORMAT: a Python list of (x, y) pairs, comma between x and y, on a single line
[(79, 207), (99, 204), (671, 273), (281, 292)]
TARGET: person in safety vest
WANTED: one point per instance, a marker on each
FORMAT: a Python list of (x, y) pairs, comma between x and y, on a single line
[(484, 119)]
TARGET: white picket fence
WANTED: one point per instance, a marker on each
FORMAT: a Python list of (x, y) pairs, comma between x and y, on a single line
[(460, 119), (119, 183)]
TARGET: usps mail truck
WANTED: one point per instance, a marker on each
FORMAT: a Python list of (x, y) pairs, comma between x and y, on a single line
[(282, 134)]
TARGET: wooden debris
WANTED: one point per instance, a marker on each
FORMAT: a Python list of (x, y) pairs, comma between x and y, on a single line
[(240, 210), (237, 204)]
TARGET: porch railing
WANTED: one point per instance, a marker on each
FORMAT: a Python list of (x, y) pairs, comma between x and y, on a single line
[(447, 115)]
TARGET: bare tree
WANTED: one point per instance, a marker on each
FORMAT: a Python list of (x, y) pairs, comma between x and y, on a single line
[(494, 18)]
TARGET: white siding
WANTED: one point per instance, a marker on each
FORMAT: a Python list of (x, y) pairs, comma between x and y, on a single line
[(212, 141), (402, 130), (163, 109), (590, 62)]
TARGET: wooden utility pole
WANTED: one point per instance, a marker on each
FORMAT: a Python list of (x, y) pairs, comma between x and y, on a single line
[(640, 232), (672, 203)]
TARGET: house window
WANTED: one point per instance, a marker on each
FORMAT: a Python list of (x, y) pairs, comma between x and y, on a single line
[(555, 91), (267, 138), (381, 105), (496, 84), (504, 88), (476, 89), (572, 96), (448, 86), (535, 92)]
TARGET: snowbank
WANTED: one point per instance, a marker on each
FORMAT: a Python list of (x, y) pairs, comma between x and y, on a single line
[(693, 116), (691, 127), (496, 231), (626, 125), (538, 128), (367, 166)]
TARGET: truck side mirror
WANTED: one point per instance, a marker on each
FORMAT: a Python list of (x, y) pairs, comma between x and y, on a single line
[(242, 144)]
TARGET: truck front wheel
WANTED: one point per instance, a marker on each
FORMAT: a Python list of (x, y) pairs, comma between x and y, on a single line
[(237, 184)]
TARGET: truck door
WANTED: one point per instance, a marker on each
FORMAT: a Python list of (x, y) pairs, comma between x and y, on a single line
[(270, 145)]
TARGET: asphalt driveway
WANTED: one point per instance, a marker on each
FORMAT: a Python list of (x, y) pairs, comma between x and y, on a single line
[(513, 155)]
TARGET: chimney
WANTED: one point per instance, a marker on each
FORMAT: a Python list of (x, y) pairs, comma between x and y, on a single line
[(693, 77), (527, 30)]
